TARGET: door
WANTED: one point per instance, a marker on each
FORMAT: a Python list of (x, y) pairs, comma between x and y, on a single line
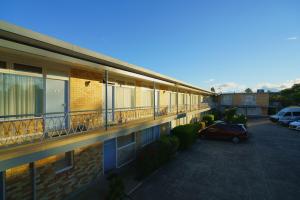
[(109, 155), (110, 103), (56, 104), (156, 130)]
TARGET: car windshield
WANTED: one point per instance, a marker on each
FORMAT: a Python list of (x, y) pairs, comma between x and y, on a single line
[(281, 113)]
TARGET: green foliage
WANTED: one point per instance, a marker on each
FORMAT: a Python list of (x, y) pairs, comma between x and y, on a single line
[(216, 113), (116, 187), (287, 97), (208, 119), (248, 90), (156, 154), (232, 117), (187, 134)]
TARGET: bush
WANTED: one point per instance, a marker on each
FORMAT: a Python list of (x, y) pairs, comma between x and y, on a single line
[(232, 117), (208, 119), (216, 113), (116, 187), (156, 154), (239, 119), (187, 134)]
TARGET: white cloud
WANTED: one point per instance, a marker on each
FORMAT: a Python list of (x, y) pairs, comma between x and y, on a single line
[(229, 87), (210, 80), (292, 38), (236, 87)]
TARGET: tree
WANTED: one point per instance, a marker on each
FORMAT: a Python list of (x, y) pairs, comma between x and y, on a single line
[(248, 90), (212, 89)]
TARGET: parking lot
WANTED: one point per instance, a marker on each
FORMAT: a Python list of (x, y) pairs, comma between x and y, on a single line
[(267, 166)]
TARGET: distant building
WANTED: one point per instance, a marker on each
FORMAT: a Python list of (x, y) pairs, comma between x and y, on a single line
[(250, 104)]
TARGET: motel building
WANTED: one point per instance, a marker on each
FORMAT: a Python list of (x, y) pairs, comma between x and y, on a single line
[(69, 115)]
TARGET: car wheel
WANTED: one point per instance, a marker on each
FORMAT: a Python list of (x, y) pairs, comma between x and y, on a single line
[(235, 140)]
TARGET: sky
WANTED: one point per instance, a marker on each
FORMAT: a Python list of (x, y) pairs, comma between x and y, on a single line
[(228, 44)]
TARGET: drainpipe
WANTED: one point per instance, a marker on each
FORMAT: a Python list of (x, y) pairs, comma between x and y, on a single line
[(106, 99)]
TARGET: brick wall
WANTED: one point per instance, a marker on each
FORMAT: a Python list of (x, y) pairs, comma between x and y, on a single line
[(85, 90), (87, 167), (18, 184)]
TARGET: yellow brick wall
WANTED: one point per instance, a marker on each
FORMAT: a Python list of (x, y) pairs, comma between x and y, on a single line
[(85, 91), (262, 99)]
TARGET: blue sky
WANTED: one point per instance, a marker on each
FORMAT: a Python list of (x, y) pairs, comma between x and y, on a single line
[(230, 44)]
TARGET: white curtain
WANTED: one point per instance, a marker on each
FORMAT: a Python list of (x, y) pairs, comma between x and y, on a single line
[(147, 98), (20, 95), (124, 97)]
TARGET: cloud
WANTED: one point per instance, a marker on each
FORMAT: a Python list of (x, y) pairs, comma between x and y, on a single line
[(229, 87), (292, 38), (210, 80), (236, 87), (277, 86)]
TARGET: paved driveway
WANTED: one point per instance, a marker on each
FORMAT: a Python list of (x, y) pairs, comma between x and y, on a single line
[(267, 166)]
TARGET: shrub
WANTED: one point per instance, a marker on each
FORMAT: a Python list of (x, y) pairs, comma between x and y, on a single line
[(154, 155), (187, 134), (208, 119), (116, 187), (232, 117), (202, 125)]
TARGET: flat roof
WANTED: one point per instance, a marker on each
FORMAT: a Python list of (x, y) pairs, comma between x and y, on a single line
[(24, 36)]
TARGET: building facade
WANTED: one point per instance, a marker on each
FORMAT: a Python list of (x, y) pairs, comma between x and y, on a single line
[(69, 115), (249, 104)]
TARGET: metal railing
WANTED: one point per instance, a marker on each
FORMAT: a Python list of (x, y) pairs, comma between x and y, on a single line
[(19, 129)]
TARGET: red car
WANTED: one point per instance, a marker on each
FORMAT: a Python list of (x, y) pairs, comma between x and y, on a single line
[(222, 130)]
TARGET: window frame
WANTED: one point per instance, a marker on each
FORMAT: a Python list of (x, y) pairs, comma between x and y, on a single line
[(68, 167)]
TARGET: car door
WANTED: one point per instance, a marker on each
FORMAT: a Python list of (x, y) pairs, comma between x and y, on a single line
[(215, 131)]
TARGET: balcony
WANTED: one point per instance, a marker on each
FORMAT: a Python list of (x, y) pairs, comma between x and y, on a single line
[(22, 129)]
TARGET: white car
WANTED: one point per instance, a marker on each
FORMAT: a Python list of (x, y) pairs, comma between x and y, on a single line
[(295, 125)]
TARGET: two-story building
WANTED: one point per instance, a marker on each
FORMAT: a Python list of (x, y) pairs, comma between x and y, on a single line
[(249, 104), (69, 115)]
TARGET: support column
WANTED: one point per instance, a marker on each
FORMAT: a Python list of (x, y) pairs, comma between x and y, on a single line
[(106, 99), (154, 97), (2, 185), (177, 97), (33, 180)]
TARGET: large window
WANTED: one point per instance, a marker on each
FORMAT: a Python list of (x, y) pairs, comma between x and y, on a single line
[(149, 135), (125, 97), (147, 97), (21, 93)]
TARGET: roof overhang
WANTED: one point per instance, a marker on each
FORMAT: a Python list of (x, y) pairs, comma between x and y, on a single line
[(26, 37)]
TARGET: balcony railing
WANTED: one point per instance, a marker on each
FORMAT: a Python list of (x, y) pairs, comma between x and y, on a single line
[(19, 129)]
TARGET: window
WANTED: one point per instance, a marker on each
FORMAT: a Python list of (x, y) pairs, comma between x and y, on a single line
[(249, 100), (20, 95), (226, 100), (125, 97), (288, 114), (64, 161), (296, 114), (149, 135), (147, 98), (125, 140)]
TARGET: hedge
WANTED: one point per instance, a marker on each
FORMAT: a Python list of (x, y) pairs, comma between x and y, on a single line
[(155, 154), (187, 134), (208, 119)]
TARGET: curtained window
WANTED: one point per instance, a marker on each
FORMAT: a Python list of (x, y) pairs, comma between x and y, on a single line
[(147, 98), (125, 97), (20, 94)]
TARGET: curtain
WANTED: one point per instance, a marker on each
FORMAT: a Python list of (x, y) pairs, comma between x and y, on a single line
[(20, 95), (147, 98), (124, 97)]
